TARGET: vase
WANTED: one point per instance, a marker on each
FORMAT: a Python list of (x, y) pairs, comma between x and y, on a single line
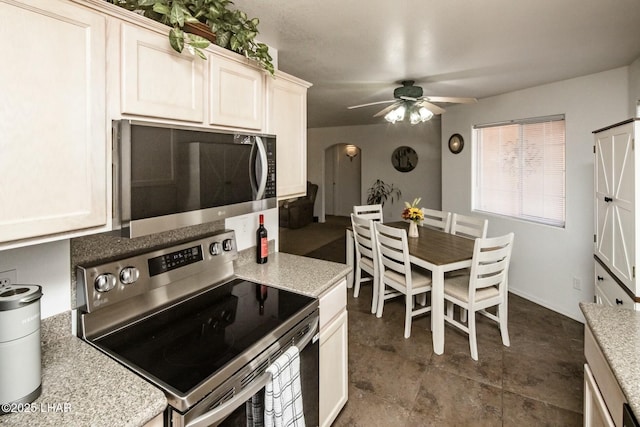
[(413, 229)]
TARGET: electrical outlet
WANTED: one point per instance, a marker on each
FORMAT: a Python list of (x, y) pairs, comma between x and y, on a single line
[(8, 277), (577, 284)]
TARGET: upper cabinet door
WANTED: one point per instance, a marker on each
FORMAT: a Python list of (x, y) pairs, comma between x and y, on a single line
[(157, 81), (53, 132), (615, 201), (236, 94), (288, 121)]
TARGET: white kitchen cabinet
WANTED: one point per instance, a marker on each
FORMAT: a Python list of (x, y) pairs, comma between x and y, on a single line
[(53, 127), (287, 119), (595, 410), (616, 237), (236, 94), (334, 374), (156, 80), (608, 291), (603, 397)]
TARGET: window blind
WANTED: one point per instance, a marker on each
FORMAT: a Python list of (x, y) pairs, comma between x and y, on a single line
[(520, 169)]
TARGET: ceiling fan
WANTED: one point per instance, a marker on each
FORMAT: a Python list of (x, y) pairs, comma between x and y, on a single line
[(410, 99)]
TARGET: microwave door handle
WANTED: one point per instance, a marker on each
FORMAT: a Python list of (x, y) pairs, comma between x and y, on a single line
[(221, 412), (264, 168)]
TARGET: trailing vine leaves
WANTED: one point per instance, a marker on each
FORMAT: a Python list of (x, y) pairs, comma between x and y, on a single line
[(232, 28)]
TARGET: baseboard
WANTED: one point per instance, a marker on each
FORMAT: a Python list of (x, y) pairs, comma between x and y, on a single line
[(546, 304)]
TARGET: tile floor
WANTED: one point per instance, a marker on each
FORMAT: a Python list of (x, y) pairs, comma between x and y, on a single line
[(394, 381)]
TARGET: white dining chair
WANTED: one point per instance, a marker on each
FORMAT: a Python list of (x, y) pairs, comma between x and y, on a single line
[(373, 212), (468, 226), (440, 220), (397, 277), (366, 257), (484, 287)]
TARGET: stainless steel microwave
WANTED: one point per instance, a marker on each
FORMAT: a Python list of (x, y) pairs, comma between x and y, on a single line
[(167, 177)]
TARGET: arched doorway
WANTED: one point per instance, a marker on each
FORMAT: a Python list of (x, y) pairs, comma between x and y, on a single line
[(342, 176)]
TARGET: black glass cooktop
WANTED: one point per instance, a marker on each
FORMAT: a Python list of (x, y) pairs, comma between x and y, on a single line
[(187, 343)]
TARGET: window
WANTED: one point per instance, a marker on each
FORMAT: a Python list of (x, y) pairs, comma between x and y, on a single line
[(520, 169)]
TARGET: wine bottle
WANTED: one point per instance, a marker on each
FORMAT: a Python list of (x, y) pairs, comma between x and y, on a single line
[(262, 243)]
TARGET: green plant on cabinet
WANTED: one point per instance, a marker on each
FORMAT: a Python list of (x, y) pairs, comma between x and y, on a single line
[(232, 28)]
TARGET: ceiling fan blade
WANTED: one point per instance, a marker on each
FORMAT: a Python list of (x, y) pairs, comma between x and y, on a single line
[(409, 98), (371, 103), (431, 107), (452, 99), (387, 109)]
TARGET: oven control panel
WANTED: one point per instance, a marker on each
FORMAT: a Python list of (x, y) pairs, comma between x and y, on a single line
[(168, 273), (163, 263)]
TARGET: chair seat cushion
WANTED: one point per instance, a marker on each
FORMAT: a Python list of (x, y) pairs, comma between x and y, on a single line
[(458, 287), (418, 279)]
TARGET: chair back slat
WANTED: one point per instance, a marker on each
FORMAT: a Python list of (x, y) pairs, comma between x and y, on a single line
[(373, 212), (440, 220), (393, 250), (469, 226), (490, 264), (363, 236)]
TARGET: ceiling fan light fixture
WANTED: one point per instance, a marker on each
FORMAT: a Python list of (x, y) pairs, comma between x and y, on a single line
[(425, 114), (397, 114), (419, 114)]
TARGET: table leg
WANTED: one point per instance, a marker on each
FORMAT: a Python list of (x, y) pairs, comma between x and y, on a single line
[(437, 310), (349, 254)]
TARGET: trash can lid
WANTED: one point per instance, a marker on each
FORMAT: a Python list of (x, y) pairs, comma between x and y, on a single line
[(16, 296)]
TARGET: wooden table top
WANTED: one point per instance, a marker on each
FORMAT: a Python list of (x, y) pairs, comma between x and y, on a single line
[(437, 247)]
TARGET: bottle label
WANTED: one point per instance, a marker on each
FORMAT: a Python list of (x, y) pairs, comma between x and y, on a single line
[(264, 247)]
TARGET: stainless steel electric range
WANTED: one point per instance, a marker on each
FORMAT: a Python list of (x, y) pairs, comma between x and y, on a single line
[(179, 318)]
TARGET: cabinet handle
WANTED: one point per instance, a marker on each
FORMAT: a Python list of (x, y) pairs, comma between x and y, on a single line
[(608, 199), (618, 301), (600, 278)]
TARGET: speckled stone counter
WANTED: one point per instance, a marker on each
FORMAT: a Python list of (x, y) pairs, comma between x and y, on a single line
[(617, 331), (296, 273), (83, 387)]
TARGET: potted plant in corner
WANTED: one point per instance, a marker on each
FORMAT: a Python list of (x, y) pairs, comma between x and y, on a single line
[(230, 28), (380, 191)]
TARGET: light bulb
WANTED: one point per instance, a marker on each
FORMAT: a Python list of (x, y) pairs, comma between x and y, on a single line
[(425, 114)]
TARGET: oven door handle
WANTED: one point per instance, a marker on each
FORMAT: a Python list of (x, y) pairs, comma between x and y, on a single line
[(219, 413)]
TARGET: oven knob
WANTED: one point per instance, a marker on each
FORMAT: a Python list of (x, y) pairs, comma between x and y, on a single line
[(227, 244), (129, 275), (105, 282), (215, 248)]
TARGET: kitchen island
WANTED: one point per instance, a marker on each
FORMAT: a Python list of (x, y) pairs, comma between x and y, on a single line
[(82, 386), (617, 334)]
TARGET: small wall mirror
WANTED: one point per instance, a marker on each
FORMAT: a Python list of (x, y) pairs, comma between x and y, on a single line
[(404, 159)]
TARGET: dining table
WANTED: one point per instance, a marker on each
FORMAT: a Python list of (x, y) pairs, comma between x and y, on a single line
[(433, 250)]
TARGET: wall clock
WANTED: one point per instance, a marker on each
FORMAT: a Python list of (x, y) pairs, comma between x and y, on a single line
[(404, 159), (456, 143)]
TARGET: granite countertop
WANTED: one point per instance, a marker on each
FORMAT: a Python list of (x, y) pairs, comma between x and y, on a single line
[(296, 273), (617, 331), (83, 387)]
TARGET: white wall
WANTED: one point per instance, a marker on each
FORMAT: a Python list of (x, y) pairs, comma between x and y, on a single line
[(545, 259), (47, 265), (634, 88), (377, 143)]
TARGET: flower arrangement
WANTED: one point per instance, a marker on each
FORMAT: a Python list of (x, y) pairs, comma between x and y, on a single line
[(412, 211)]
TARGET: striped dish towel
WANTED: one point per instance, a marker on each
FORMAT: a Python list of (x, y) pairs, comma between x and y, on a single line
[(254, 409), (283, 394)]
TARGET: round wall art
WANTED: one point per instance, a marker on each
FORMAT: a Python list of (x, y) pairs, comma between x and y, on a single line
[(404, 159)]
